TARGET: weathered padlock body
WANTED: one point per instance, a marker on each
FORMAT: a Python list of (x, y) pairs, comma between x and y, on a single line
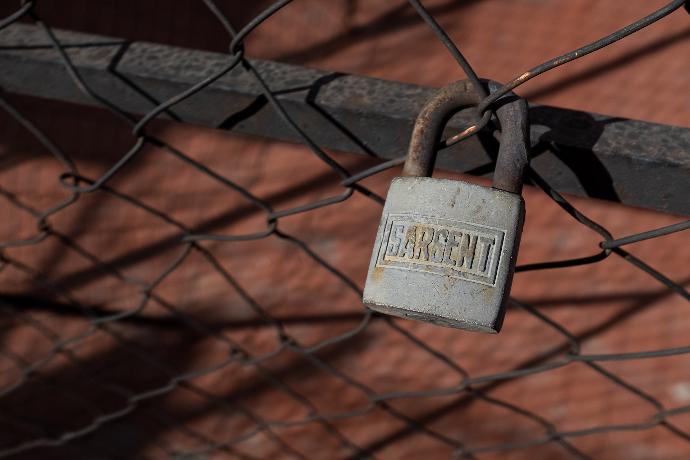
[(445, 250), (445, 253)]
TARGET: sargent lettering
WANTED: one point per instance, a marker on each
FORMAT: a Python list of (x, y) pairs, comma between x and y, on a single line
[(457, 249)]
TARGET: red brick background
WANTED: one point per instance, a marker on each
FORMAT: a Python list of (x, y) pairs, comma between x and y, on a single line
[(610, 306)]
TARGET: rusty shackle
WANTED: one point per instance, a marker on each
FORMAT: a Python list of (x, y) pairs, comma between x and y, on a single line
[(513, 155)]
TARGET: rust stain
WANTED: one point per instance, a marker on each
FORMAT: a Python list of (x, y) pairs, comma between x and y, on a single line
[(487, 295), (376, 274)]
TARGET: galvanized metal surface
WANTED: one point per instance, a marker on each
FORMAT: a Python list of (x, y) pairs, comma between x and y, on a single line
[(445, 253), (576, 152)]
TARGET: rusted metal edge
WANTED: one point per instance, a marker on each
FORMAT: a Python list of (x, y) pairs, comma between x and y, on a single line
[(628, 161), (513, 153)]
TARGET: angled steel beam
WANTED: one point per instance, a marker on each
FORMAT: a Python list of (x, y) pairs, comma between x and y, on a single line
[(632, 162)]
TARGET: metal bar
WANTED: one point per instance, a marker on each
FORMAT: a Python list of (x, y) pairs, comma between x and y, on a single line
[(628, 161)]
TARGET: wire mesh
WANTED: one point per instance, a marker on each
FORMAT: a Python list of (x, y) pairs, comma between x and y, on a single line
[(46, 409)]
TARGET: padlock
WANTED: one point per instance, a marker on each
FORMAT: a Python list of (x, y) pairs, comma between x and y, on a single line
[(445, 250)]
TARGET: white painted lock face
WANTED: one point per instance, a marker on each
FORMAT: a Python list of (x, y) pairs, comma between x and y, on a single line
[(445, 253)]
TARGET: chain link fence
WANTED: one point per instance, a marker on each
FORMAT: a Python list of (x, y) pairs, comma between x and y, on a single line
[(96, 353)]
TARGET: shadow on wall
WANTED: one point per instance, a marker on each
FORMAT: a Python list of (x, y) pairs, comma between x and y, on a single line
[(189, 23), (185, 23), (99, 397)]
